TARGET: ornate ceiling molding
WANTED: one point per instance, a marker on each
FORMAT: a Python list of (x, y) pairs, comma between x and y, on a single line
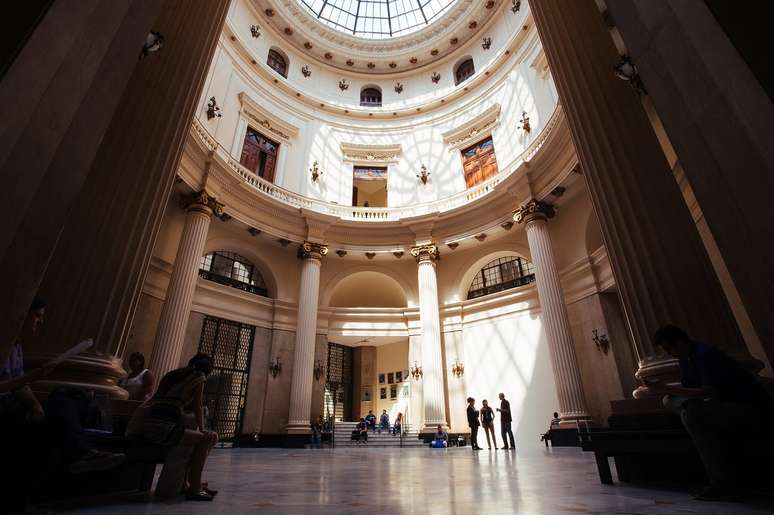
[(371, 154), (255, 114), (474, 130)]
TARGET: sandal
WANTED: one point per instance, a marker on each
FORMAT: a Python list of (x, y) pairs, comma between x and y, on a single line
[(199, 496)]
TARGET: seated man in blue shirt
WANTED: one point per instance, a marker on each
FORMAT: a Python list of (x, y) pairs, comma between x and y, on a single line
[(717, 395), (384, 421), (370, 419)]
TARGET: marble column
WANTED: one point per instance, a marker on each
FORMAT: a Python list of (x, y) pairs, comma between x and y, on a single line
[(433, 398), (572, 403), (311, 255), (173, 322), (661, 268)]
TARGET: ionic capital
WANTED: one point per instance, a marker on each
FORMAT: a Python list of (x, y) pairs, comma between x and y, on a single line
[(426, 253), (534, 210), (202, 201), (311, 250)]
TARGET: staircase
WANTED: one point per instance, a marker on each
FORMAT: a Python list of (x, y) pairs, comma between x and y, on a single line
[(343, 432)]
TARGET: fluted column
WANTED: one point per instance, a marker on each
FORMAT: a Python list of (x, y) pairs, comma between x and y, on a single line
[(572, 404), (177, 306), (661, 269), (429, 319), (311, 255)]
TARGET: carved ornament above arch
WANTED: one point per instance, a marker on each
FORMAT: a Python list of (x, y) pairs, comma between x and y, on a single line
[(371, 154), (263, 119), (473, 130)]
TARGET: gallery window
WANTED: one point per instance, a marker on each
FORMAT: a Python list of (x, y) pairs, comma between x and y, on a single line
[(277, 62), (232, 270), (371, 97), (464, 71), (369, 186), (479, 162), (259, 154), (501, 274)]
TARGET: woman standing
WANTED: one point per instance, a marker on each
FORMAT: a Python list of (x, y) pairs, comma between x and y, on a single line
[(140, 381), (487, 422)]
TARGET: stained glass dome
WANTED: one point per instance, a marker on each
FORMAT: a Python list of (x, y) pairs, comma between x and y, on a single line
[(377, 19)]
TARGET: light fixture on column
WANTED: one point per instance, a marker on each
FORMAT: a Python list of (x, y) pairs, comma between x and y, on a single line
[(316, 172), (626, 70), (212, 109), (458, 369), (275, 367), (524, 122), (602, 342), (255, 30), (319, 370), (423, 175), (416, 371), (515, 6), (154, 42)]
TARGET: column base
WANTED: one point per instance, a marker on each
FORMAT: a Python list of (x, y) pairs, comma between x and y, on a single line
[(298, 428), (100, 374), (655, 368)]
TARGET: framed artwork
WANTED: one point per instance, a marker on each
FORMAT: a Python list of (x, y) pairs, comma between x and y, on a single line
[(398, 376), (390, 378), (381, 378), (382, 393), (366, 394), (393, 392)]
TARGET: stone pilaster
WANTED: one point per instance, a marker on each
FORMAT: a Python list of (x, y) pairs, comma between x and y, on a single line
[(168, 345), (432, 363), (311, 255), (661, 268), (572, 403)]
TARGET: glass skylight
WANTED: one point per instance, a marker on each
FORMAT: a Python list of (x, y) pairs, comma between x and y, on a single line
[(377, 19)]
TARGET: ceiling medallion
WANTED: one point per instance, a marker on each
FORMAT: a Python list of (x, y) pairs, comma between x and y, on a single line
[(341, 253), (435, 77), (398, 88), (454, 41), (308, 45), (393, 65), (434, 52), (305, 71), (288, 31), (269, 12), (328, 55), (413, 60), (371, 66), (481, 237), (453, 245), (472, 25), (350, 62), (343, 85), (370, 255)]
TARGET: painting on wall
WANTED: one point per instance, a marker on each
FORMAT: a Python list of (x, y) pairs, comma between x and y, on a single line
[(398, 376), (393, 392), (390, 378), (381, 378), (383, 393)]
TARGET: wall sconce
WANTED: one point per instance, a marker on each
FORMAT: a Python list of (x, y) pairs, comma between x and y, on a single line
[(516, 5), (423, 175), (458, 368), (343, 85), (255, 30), (524, 122), (212, 109), (319, 370), (305, 71), (416, 371), (154, 42), (398, 88), (435, 77), (316, 172), (487, 43), (602, 343), (275, 367), (626, 70)]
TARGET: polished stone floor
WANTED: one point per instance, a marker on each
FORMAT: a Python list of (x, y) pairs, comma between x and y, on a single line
[(418, 481)]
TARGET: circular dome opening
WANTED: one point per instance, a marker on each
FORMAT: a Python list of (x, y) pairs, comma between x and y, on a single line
[(377, 19)]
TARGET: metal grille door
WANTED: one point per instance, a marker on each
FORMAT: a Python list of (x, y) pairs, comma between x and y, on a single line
[(231, 345), (338, 382)]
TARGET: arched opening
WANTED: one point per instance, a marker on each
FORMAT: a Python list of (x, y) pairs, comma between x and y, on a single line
[(464, 70), (278, 62), (368, 290), (501, 274), (231, 269), (371, 96)]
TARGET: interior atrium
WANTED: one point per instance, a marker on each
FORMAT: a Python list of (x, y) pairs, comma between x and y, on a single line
[(389, 207)]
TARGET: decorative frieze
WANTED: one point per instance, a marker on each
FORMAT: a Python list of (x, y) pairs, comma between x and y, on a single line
[(371, 154), (474, 130)]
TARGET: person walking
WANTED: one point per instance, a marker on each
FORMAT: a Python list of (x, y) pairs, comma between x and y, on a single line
[(473, 423), (487, 422), (505, 422)]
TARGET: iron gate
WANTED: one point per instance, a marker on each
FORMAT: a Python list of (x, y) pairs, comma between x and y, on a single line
[(338, 382), (231, 345)]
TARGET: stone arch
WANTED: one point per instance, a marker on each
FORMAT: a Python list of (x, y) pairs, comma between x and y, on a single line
[(234, 245), (329, 287)]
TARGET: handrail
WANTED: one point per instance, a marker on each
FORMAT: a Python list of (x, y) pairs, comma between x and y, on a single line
[(369, 214)]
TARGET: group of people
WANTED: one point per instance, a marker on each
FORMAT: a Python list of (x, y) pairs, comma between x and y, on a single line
[(368, 423), (484, 417), (43, 438)]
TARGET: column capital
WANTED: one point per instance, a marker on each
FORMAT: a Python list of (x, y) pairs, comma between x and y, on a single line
[(311, 250), (427, 252), (202, 201), (534, 210)]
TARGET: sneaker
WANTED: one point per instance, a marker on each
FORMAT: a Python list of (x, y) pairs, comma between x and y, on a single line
[(93, 461)]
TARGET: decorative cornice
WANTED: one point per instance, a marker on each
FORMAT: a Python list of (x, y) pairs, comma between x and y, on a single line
[(476, 129), (202, 201), (426, 253), (534, 210), (257, 115), (371, 153), (311, 250)]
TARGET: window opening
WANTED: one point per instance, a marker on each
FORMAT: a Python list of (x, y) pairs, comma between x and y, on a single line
[(277, 62), (501, 274), (259, 154), (371, 97), (369, 186), (479, 162), (232, 270), (464, 71)]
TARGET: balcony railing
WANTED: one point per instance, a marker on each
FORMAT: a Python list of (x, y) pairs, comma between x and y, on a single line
[(228, 281), (515, 283), (369, 214)]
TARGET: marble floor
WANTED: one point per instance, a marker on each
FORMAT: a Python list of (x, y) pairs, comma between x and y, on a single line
[(418, 481)]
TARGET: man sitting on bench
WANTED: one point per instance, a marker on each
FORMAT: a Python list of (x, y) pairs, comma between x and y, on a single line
[(717, 395)]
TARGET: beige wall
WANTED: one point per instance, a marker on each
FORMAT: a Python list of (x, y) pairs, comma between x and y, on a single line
[(390, 358)]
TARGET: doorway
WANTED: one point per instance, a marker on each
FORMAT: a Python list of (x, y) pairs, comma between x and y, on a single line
[(369, 186)]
